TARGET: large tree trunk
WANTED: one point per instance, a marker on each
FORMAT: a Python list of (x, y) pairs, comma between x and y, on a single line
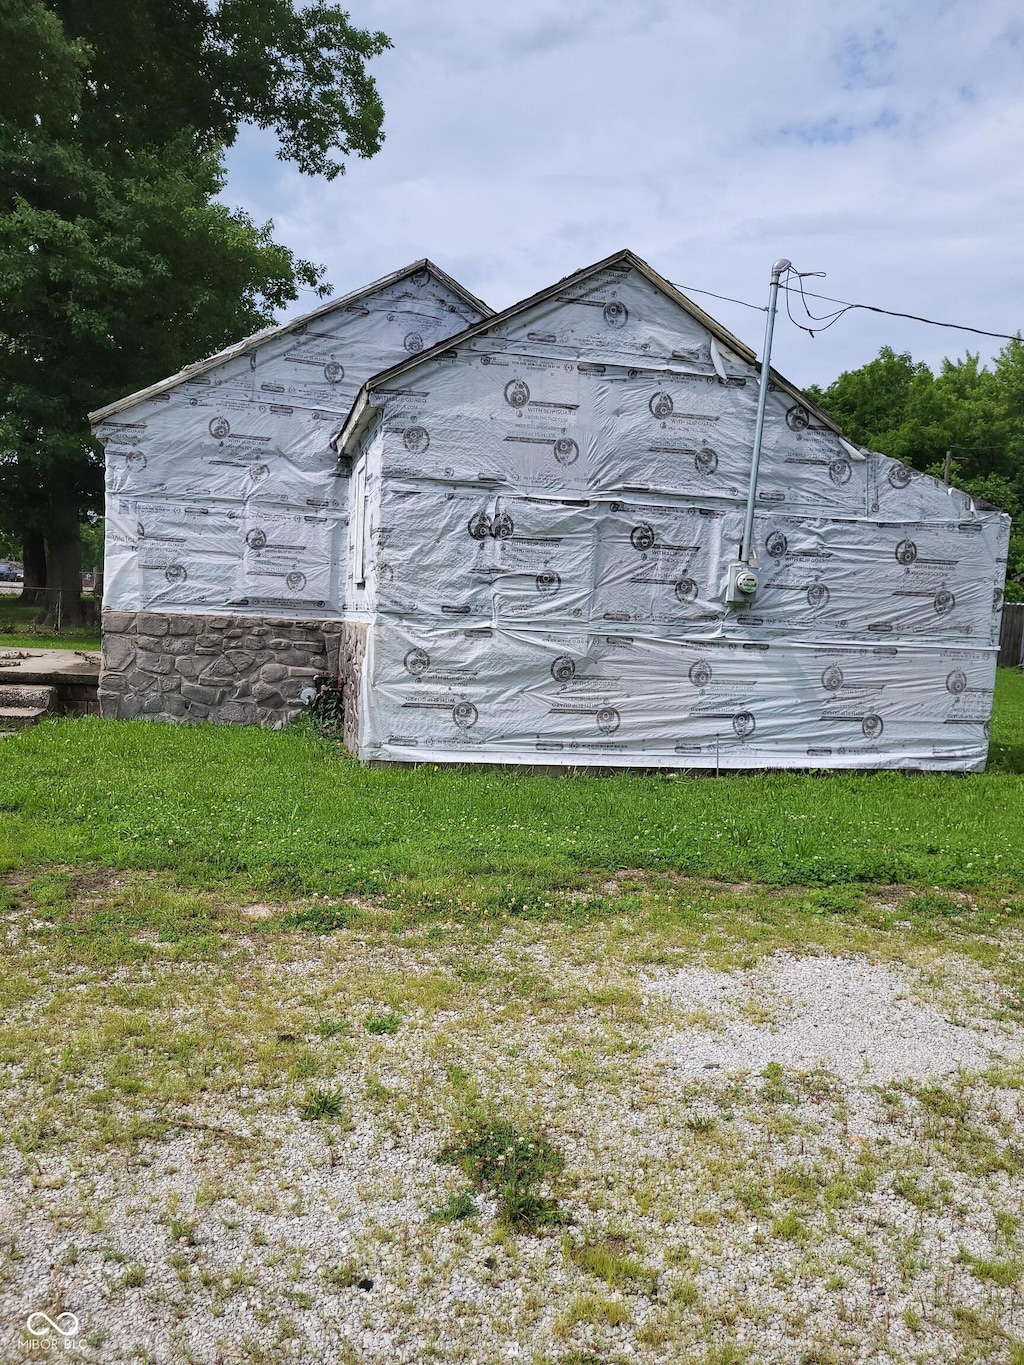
[(34, 553), (63, 563)]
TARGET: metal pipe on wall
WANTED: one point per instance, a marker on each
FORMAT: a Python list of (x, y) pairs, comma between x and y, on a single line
[(747, 546)]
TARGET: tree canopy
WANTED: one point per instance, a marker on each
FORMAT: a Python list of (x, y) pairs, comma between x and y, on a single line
[(118, 263)]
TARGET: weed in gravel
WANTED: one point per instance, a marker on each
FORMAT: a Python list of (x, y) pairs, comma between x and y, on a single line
[(608, 1259), (914, 1193), (322, 1104), (496, 1156), (330, 1028), (791, 1228), (833, 900), (596, 1310), (1012, 1008), (1004, 1274), (383, 1023), (1007, 1224), (320, 919), (754, 1198), (684, 1293), (775, 1090), (977, 1328), (731, 1354), (912, 1319), (820, 1355), (345, 1275), (942, 1103), (458, 1207), (182, 1231), (134, 1277)]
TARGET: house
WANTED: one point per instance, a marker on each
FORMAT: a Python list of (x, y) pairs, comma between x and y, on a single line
[(543, 511), (227, 578)]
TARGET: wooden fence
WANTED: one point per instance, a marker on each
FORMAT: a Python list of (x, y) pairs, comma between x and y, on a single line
[(1011, 636)]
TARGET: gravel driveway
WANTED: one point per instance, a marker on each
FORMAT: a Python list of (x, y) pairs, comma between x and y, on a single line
[(811, 1156)]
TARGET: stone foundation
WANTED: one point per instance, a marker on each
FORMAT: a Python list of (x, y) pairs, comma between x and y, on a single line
[(232, 670), (350, 676)]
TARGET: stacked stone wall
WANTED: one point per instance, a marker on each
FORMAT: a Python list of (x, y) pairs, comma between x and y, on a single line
[(227, 669)]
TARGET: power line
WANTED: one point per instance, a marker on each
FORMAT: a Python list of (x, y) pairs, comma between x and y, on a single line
[(888, 312), (692, 289), (829, 319)]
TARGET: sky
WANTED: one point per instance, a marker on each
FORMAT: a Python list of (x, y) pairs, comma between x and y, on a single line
[(880, 143)]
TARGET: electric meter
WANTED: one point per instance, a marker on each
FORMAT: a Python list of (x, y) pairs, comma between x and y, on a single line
[(742, 586)]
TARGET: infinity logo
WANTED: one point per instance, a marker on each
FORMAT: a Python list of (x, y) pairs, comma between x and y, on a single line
[(41, 1325)]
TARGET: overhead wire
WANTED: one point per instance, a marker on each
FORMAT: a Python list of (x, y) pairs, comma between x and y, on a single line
[(829, 319), (893, 313), (826, 320), (692, 289)]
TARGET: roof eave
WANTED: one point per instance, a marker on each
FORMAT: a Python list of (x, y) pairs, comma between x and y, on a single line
[(359, 417)]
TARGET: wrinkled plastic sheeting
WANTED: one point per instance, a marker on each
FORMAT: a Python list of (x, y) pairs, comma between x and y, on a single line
[(497, 558), (627, 700), (560, 500), (223, 494)]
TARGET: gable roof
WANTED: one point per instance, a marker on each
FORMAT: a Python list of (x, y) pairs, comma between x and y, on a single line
[(361, 410), (250, 343)]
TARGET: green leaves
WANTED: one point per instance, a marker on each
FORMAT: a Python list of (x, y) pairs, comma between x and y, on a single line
[(118, 261)]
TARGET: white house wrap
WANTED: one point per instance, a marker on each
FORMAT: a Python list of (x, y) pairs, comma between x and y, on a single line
[(543, 511), (226, 568), (222, 489)]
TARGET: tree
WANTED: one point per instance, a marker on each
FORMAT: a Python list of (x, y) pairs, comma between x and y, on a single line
[(117, 263), (871, 404)]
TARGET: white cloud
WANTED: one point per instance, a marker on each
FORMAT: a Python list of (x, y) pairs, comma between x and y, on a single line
[(881, 144)]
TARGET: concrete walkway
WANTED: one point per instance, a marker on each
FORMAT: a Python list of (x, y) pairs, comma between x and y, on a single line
[(38, 682)]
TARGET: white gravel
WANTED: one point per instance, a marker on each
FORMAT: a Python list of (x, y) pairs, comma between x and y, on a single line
[(820, 1222), (855, 1017)]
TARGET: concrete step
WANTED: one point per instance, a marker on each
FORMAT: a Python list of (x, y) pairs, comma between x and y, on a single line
[(20, 717), (44, 698)]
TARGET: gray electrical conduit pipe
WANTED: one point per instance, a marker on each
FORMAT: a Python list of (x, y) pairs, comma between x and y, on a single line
[(747, 544)]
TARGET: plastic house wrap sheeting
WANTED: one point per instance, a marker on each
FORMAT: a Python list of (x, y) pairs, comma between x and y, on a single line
[(222, 491), (547, 511)]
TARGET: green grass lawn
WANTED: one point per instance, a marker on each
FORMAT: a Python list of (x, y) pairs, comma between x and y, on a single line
[(288, 811), (21, 629)]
